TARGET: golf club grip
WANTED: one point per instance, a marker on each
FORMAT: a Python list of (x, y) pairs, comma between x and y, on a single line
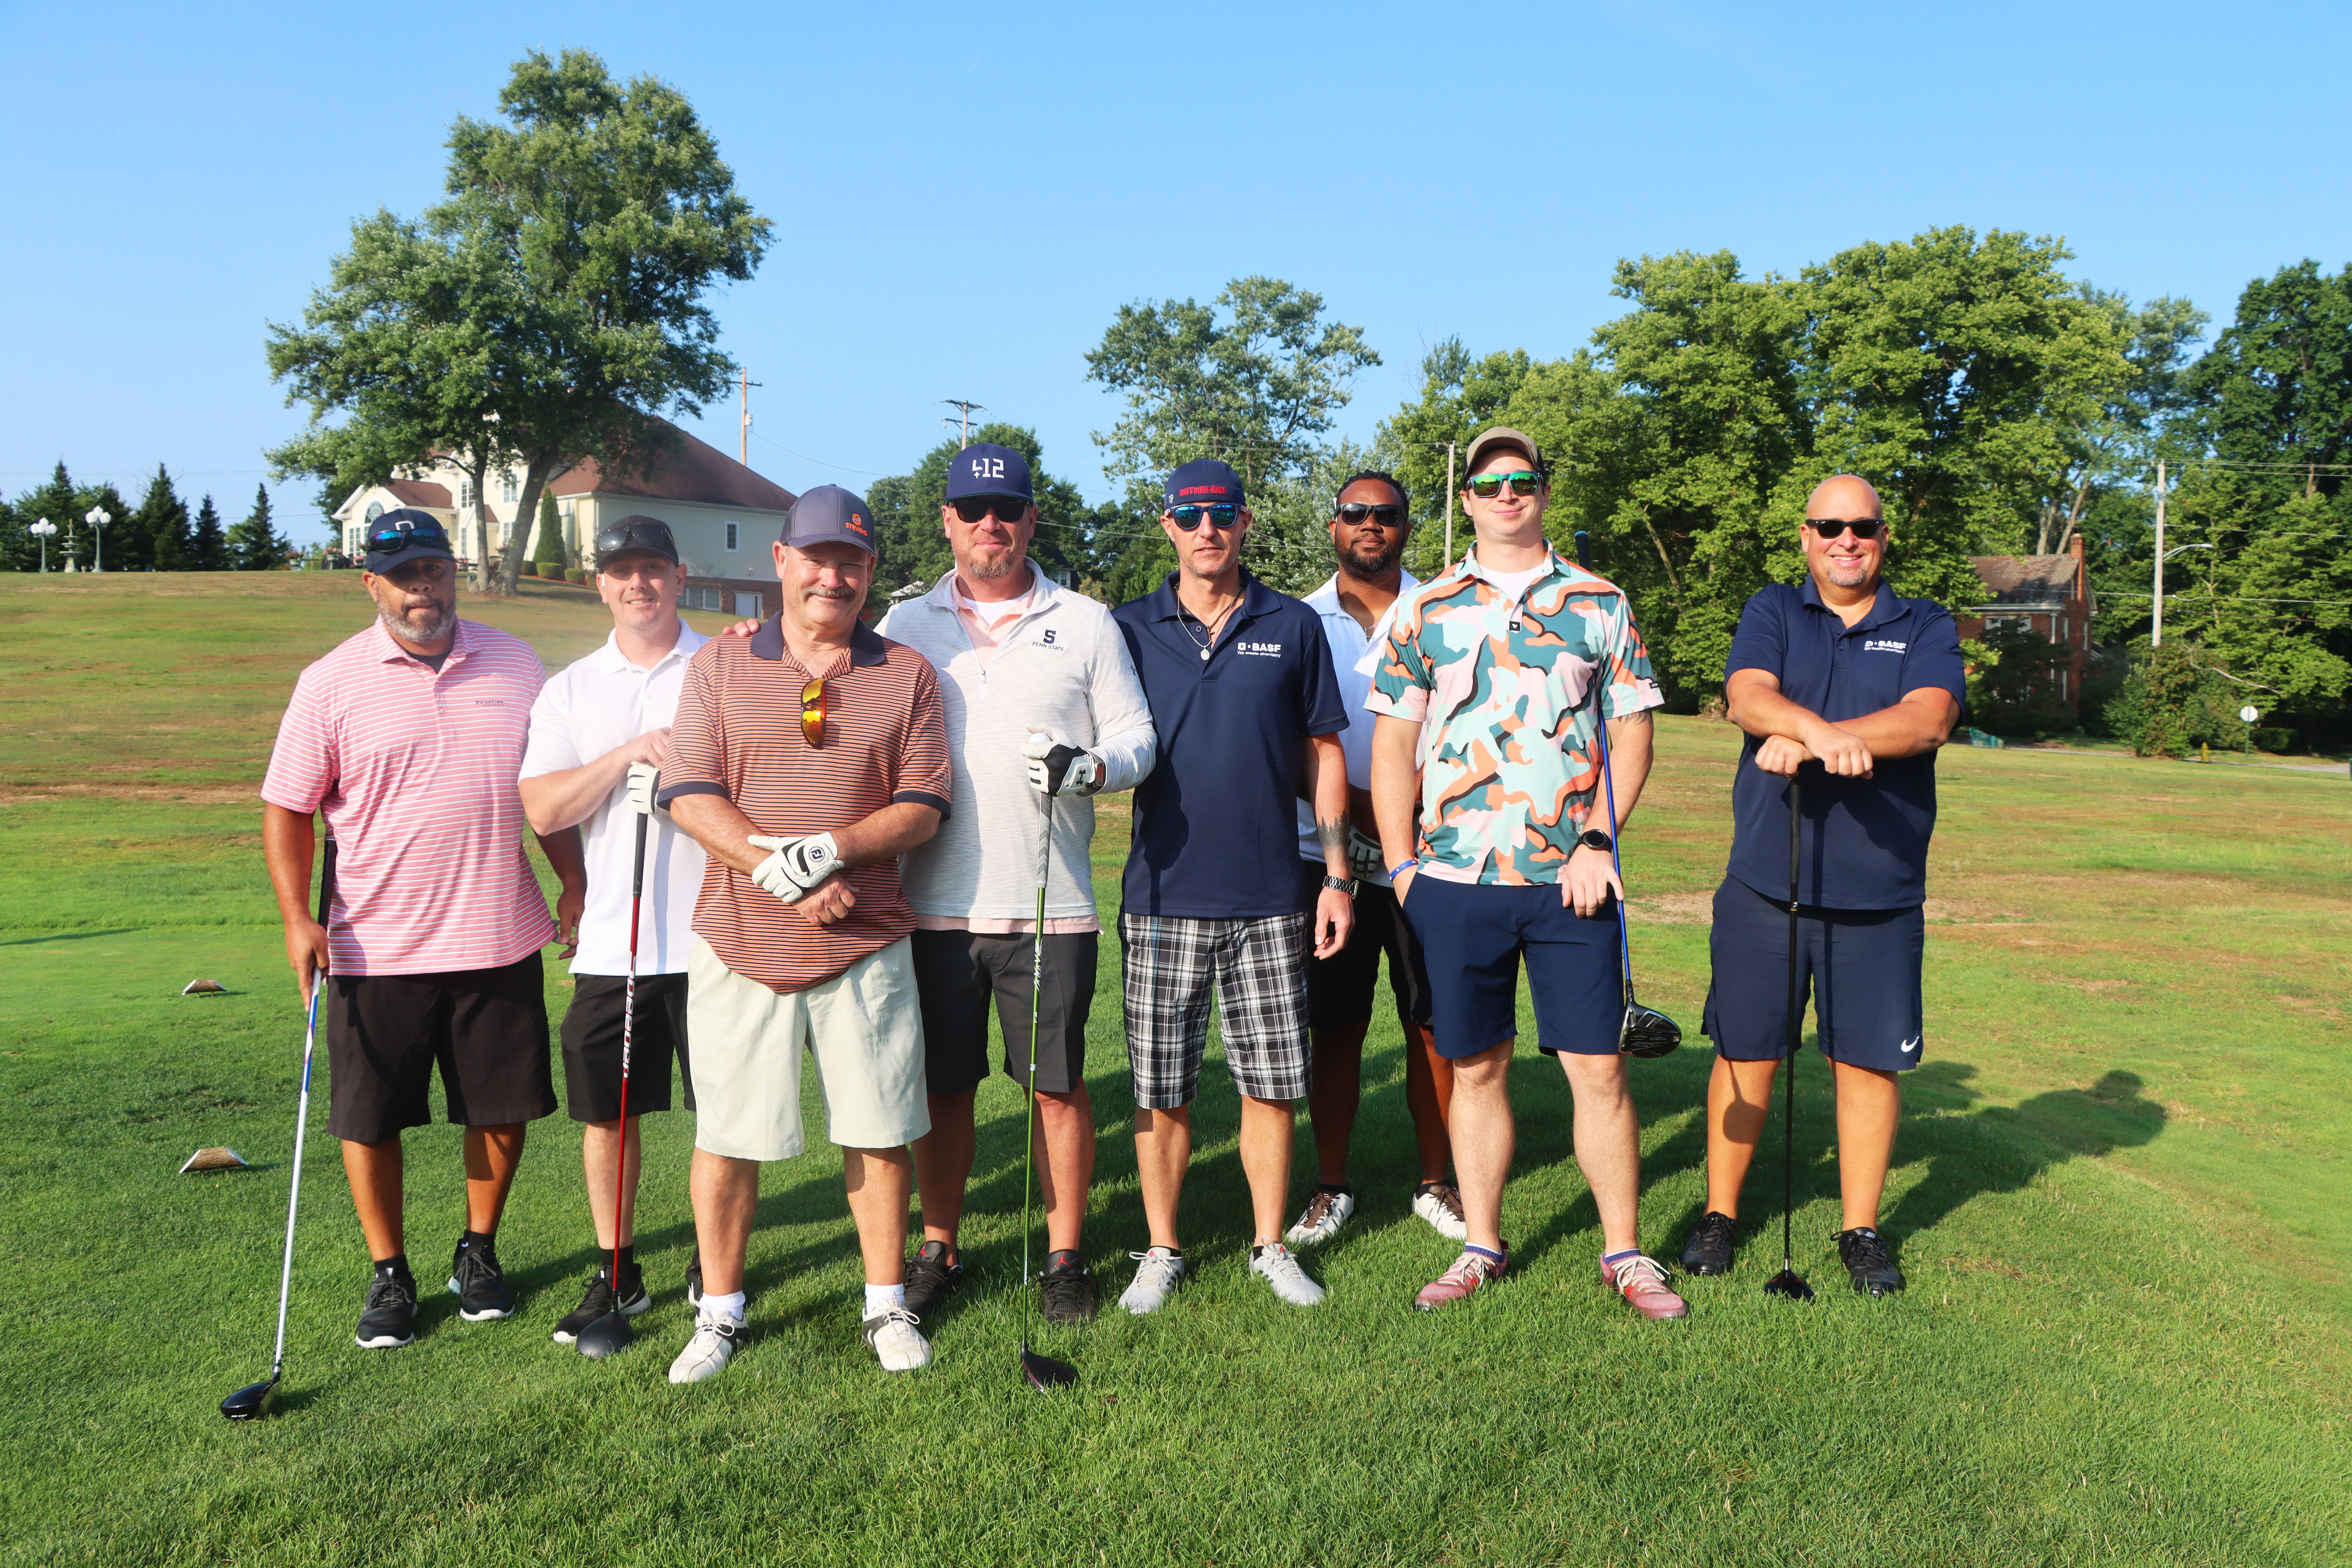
[(326, 877), (637, 868)]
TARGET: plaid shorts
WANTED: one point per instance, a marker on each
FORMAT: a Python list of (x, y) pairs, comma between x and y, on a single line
[(1258, 966)]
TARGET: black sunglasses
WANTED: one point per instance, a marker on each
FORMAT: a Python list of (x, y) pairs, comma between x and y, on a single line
[(651, 534), (1388, 515), (1189, 517), (404, 533), (1486, 487), (1008, 509), (1832, 527)]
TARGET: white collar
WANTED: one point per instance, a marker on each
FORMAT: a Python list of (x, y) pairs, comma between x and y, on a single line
[(611, 660)]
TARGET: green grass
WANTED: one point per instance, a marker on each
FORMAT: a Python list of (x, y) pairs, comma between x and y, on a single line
[(2119, 1195)]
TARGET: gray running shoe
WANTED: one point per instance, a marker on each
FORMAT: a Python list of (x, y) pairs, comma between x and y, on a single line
[(1274, 1264), (1157, 1274), (1325, 1213)]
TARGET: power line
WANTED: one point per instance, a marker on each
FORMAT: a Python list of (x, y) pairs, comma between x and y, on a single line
[(820, 462)]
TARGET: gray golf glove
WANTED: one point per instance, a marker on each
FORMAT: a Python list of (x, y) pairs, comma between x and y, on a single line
[(1080, 771), (794, 865), (1364, 856), (645, 784)]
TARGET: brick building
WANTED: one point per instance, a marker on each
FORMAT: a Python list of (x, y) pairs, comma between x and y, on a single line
[(2048, 596)]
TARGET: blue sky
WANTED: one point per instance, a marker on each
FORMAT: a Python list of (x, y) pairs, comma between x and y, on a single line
[(964, 195)]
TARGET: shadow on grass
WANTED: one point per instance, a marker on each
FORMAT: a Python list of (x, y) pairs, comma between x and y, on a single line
[(70, 936)]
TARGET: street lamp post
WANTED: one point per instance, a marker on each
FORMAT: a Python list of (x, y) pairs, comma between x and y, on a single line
[(97, 516), (44, 531)]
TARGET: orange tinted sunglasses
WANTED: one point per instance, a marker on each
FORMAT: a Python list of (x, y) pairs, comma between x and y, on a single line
[(812, 711)]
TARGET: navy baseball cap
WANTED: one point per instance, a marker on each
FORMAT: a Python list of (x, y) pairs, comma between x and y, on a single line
[(829, 514), (1203, 482), (985, 469), (403, 535)]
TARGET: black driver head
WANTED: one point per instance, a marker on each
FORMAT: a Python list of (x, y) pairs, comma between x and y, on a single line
[(1647, 1032), (250, 1402), (1788, 1284), (1043, 1370), (606, 1335)]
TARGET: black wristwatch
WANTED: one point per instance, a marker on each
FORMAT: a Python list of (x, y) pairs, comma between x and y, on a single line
[(1343, 884), (1594, 838)]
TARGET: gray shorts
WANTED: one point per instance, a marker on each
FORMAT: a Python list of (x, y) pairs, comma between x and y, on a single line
[(1258, 968)]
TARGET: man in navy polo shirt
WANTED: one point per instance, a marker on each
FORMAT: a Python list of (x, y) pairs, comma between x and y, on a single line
[(1239, 682), (1857, 688)]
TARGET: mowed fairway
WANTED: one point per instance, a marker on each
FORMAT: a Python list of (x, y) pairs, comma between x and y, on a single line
[(2120, 1197)]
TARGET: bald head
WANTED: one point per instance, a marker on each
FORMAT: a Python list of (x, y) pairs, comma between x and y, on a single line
[(1843, 495)]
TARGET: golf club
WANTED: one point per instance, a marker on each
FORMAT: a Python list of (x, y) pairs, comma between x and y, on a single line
[(1789, 1282), (612, 1331), (252, 1402), (1041, 1370), (1644, 1031)]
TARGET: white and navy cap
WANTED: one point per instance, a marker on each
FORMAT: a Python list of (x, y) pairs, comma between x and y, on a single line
[(985, 469)]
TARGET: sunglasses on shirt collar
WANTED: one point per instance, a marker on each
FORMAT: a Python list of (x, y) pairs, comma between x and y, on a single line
[(812, 711)]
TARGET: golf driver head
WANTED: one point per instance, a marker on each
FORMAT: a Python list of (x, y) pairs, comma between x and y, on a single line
[(605, 1336), (1044, 1372), (1647, 1032), (250, 1402), (1789, 1284)]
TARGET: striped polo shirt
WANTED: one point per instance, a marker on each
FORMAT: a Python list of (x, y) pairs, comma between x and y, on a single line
[(738, 735), (415, 771)]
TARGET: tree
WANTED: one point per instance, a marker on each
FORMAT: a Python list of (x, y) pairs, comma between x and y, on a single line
[(550, 556), (253, 544), (53, 502), (159, 528), (207, 547), (548, 311)]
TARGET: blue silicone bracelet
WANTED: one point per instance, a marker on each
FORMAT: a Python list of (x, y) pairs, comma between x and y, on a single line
[(1401, 866)]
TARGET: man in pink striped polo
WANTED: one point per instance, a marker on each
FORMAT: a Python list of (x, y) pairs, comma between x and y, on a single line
[(408, 738)]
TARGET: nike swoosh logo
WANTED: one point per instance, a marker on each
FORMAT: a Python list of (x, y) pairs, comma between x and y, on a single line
[(1911, 1045)]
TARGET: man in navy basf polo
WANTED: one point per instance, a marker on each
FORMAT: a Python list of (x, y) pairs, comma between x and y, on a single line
[(1857, 688), (1238, 677)]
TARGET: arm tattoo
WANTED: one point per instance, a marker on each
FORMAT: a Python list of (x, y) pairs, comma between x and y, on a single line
[(1332, 835)]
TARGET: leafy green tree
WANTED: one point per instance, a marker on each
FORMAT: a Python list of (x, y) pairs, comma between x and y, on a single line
[(253, 544), (549, 311), (550, 556), (2175, 697), (207, 544)]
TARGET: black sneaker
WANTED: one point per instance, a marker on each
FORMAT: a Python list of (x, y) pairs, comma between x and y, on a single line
[(1708, 1250), (389, 1318), (931, 1278), (599, 1300), (694, 1283), (480, 1284), (1069, 1292), (1863, 1252)]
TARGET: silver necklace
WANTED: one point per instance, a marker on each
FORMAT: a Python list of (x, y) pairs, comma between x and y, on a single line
[(1185, 620)]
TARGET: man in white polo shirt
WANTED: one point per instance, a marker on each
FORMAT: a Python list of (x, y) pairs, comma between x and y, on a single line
[(406, 738), (598, 734), (1025, 666)]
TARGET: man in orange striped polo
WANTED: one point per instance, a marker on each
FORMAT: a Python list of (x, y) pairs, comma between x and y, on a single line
[(407, 739), (806, 759)]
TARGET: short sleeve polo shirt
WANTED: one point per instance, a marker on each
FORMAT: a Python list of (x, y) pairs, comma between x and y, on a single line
[(415, 770), (738, 735), (1216, 834), (1865, 840), (1501, 684)]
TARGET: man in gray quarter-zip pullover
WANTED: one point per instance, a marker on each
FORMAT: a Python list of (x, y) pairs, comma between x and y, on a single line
[(1025, 665)]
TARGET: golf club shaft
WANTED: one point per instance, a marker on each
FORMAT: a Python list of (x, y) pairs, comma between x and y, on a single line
[(1036, 995), (628, 1033), (1796, 1022), (302, 1113)]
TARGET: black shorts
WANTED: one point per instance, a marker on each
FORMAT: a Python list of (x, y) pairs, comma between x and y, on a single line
[(956, 975), (486, 1028), (1861, 967), (1339, 989), (591, 1045)]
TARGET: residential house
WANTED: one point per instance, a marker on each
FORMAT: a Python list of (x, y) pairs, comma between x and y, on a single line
[(2048, 596)]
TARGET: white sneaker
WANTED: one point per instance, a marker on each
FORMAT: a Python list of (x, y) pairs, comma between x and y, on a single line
[(716, 1339), (1156, 1275), (1325, 1213), (898, 1345), (1275, 1266), (1440, 1202)]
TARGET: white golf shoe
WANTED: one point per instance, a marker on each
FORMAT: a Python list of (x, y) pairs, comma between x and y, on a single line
[(716, 1337), (1325, 1213), (1156, 1275), (1440, 1202), (898, 1345), (1274, 1264)]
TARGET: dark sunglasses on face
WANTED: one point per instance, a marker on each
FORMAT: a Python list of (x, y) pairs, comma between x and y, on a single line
[(1389, 515), (404, 533), (812, 712), (1486, 487), (1832, 527), (1008, 509), (1188, 518)]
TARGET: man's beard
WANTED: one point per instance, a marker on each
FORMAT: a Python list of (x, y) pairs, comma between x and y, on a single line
[(439, 626), (1382, 559), (987, 570), (1846, 574)]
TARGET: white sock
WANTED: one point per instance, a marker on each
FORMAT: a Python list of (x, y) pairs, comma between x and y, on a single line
[(881, 1298), (730, 1305)]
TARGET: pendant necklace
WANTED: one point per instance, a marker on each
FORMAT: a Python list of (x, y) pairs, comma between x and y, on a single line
[(1186, 622)]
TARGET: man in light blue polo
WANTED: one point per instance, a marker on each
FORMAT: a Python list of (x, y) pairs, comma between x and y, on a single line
[(1856, 687)]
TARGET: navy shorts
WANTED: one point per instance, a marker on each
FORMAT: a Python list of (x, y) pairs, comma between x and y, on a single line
[(1472, 936), (1860, 966)]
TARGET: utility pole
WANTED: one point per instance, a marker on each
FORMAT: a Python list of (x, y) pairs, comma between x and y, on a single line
[(968, 409), (1450, 448), (2155, 632), (748, 384)]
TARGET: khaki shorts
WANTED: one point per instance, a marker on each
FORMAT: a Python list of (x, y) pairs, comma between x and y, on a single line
[(863, 1027)]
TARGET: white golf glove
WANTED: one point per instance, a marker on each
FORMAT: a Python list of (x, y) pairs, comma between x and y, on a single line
[(794, 865), (1364, 856), (1044, 750), (645, 781)]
